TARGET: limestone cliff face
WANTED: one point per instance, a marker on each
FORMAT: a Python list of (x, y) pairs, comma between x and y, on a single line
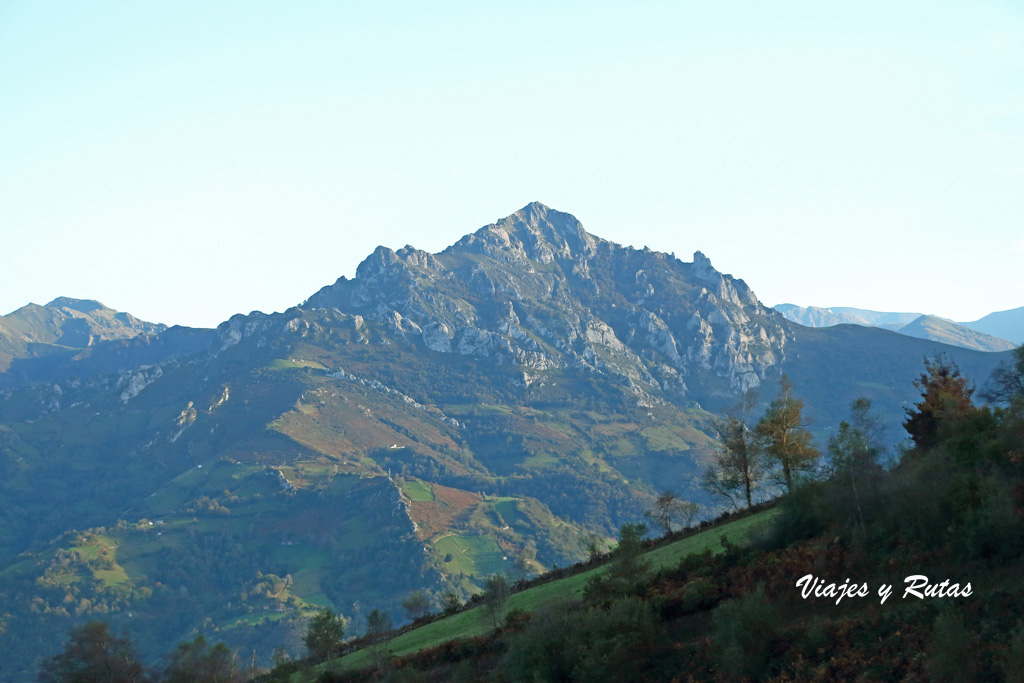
[(538, 292)]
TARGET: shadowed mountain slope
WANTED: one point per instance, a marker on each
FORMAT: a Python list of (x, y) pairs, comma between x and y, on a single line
[(1005, 324)]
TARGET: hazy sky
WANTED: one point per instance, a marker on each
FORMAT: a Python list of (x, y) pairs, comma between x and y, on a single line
[(185, 161)]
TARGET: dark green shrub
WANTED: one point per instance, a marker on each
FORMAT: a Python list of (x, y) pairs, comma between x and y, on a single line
[(1013, 660), (572, 643), (950, 657), (743, 631), (802, 514), (993, 529)]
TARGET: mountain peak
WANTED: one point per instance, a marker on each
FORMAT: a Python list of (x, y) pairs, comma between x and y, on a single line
[(535, 207), (535, 232), (80, 305), (63, 324)]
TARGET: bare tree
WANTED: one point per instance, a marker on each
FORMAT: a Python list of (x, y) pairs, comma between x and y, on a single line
[(669, 509), (378, 624), (738, 466), (1007, 381), (496, 594)]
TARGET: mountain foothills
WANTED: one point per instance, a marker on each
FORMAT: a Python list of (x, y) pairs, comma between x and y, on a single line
[(994, 332), (437, 419)]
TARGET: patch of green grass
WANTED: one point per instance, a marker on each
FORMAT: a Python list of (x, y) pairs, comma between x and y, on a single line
[(111, 577), (167, 499), (307, 583), (17, 568), (662, 438), (69, 578), (737, 533), (294, 364), (471, 555), (623, 448), (540, 461), (418, 491), (466, 624), (317, 601), (488, 409), (508, 510)]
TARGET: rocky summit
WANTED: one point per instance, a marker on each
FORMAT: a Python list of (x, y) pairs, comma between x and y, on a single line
[(537, 292)]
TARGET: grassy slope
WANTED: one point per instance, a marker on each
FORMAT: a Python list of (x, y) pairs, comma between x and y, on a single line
[(474, 622)]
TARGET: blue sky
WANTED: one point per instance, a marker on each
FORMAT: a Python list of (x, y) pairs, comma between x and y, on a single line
[(186, 161)]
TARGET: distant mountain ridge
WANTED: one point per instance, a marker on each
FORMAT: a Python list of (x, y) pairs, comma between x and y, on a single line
[(1005, 324), (966, 335), (65, 323)]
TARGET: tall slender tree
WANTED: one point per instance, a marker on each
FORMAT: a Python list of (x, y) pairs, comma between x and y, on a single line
[(496, 594), (378, 624), (787, 441), (738, 465), (854, 451)]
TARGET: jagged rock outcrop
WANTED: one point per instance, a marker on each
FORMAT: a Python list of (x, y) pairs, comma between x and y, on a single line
[(133, 382), (537, 291)]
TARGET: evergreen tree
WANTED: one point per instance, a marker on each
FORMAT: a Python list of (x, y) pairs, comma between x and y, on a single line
[(627, 571), (945, 400), (324, 636)]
